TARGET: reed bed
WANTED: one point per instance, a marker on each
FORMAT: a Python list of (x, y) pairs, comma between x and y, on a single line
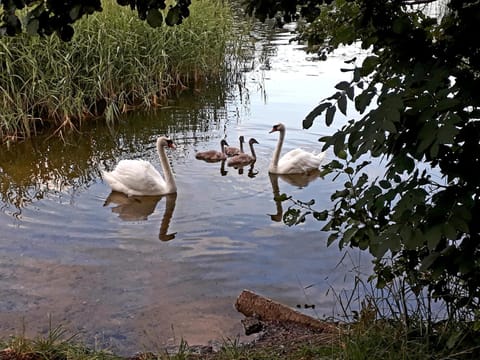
[(114, 63)]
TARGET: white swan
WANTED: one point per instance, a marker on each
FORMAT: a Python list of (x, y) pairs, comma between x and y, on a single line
[(296, 161), (244, 159), (213, 155), (232, 150), (140, 178)]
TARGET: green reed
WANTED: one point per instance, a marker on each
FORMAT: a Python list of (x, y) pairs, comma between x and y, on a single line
[(115, 62)]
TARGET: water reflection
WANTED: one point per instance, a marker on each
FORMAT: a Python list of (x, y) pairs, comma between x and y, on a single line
[(251, 173), (117, 281), (297, 180), (139, 208), (223, 172)]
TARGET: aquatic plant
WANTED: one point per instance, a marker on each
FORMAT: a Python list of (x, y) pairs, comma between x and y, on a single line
[(114, 62)]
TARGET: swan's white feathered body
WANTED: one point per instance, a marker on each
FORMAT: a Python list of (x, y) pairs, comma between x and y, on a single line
[(140, 178), (297, 161)]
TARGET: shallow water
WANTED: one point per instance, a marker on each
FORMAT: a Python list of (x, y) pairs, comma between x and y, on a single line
[(138, 274)]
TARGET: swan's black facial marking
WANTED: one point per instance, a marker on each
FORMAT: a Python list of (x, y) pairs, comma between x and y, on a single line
[(275, 128), (170, 144)]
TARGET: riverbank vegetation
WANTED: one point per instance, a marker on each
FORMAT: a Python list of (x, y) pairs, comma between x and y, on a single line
[(113, 63), (366, 338), (368, 324)]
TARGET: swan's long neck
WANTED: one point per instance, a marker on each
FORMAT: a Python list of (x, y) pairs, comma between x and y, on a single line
[(278, 149), (167, 170), (253, 151)]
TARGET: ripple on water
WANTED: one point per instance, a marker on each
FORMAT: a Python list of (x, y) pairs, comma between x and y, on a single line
[(116, 269)]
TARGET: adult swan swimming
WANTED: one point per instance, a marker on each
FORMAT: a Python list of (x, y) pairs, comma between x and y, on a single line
[(140, 178), (296, 161)]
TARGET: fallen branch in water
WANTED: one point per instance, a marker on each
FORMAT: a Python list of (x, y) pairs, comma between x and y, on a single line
[(256, 306)]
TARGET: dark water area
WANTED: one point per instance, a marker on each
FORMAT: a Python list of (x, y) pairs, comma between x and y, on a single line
[(136, 274)]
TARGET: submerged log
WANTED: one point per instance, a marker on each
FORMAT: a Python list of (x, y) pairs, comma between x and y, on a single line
[(253, 305)]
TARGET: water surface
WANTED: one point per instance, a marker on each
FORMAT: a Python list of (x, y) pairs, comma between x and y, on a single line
[(139, 274)]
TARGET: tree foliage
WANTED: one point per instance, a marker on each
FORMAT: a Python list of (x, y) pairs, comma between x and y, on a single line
[(51, 16), (417, 103)]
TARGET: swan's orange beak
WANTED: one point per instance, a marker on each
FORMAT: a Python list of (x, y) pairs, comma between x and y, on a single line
[(172, 146), (273, 130)]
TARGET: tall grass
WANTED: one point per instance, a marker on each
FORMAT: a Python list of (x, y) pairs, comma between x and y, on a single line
[(396, 322), (114, 62)]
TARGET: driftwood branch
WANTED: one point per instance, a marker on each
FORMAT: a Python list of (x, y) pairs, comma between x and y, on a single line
[(253, 305)]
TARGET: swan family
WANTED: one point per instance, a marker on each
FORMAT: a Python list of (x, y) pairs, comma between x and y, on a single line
[(140, 178)]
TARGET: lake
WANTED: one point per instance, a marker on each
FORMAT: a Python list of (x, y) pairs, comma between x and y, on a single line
[(139, 274)]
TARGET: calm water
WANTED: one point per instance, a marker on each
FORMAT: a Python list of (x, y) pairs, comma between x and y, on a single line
[(139, 274)]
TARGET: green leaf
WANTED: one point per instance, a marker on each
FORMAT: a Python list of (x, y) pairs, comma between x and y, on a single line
[(342, 104), (320, 216), (433, 236), (350, 92), (401, 25), (357, 77), (66, 33), (385, 184), (393, 102), (281, 197), (342, 154), (379, 249), (449, 231), (428, 261), (332, 238), (318, 110), (32, 26), (174, 16), (408, 238), (330, 115), (339, 146), (291, 216), (415, 240), (391, 116), (343, 85), (447, 104), (446, 134), (349, 234), (369, 65), (335, 96), (363, 100), (353, 141), (301, 218), (154, 18), (74, 12), (427, 137)]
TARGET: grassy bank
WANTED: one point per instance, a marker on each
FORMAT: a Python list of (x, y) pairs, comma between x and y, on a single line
[(364, 339), (114, 62)]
